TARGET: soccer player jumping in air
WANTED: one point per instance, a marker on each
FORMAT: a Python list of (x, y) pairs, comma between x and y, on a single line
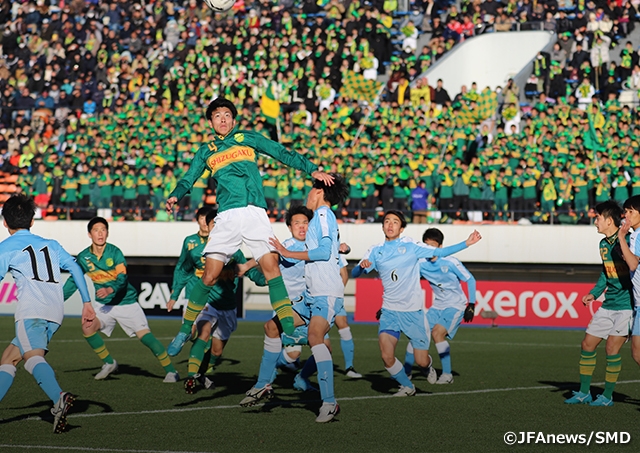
[(231, 157)]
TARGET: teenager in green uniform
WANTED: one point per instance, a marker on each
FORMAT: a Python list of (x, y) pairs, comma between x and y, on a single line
[(232, 159), (70, 188), (116, 301), (144, 194), (157, 183), (613, 319), (105, 183), (130, 194), (218, 320)]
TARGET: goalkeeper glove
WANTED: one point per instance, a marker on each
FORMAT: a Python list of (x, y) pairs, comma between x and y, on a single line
[(469, 312)]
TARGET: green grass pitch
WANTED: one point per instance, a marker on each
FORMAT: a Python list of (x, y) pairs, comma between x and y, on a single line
[(505, 380)]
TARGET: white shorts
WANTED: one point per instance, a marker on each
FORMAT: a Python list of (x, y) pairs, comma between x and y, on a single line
[(605, 322), (223, 322), (130, 317), (250, 225)]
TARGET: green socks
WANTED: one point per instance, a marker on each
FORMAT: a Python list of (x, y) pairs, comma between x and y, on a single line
[(197, 300), (98, 346), (587, 366), (281, 304), (159, 351)]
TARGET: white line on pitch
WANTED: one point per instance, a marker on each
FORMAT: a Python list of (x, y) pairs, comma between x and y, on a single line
[(353, 398), (51, 447), (484, 343)]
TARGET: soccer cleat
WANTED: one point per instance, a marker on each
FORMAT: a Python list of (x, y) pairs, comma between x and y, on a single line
[(303, 384), (59, 411), (254, 395), (601, 400), (327, 412), (171, 377), (405, 391), (176, 344), (106, 370), (445, 378), (432, 376), (353, 374), (579, 398)]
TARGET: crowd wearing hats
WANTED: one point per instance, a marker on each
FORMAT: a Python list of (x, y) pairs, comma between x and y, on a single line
[(102, 108)]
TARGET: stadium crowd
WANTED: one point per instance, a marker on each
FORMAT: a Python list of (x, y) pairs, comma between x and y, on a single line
[(101, 106)]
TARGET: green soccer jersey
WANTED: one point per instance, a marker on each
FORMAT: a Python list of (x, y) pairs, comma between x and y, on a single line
[(106, 271), (232, 161), (190, 268), (615, 277)]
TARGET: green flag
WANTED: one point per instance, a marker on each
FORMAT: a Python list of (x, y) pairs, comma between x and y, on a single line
[(355, 86)]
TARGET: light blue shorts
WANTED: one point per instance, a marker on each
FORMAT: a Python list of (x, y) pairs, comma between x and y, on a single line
[(635, 330), (299, 337), (34, 334), (324, 306), (342, 311), (449, 318), (413, 324)]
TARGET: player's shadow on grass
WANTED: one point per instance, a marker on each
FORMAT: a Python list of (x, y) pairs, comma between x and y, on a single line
[(80, 406), (123, 368), (567, 389)]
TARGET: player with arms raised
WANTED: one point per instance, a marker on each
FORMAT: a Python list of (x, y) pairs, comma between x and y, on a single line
[(35, 264), (397, 260), (231, 157)]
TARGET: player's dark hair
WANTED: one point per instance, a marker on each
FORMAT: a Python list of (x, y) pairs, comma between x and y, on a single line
[(203, 211), (18, 212), (433, 234), (610, 209), (211, 215), (300, 209), (96, 220), (398, 214), (337, 192), (218, 103), (632, 203)]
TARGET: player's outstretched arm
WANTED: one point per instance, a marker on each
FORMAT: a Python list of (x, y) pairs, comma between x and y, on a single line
[(473, 238)]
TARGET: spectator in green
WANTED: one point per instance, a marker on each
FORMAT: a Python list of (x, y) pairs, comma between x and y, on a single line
[(445, 192), (84, 186), (581, 188), (144, 194), (105, 183), (269, 183), (283, 191), (461, 190), (130, 194), (157, 183), (621, 186), (476, 187), (298, 189), (357, 194), (635, 180), (117, 193), (516, 200), (549, 194), (70, 189), (488, 196), (41, 181), (530, 191)]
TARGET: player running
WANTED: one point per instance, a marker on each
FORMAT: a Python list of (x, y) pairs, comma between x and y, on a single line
[(35, 263), (231, 157), (449, 305), (613, 319), (116, 301), (323, 298), (397, 260)]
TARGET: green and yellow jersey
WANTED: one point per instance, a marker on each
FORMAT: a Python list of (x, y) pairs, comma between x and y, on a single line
[(106, 271), (615, 277), (232, 161)]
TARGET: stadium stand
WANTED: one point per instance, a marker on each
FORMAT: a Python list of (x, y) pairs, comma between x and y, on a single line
[(101, 105)]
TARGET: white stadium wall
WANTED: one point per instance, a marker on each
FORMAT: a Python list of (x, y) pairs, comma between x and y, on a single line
[(489, 59), (545, 244)]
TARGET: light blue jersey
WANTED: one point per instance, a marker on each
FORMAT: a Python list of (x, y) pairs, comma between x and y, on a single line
[(35, 264), (634, 245), (293, 270), (444, 275), (323, 276), (398, 263)]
